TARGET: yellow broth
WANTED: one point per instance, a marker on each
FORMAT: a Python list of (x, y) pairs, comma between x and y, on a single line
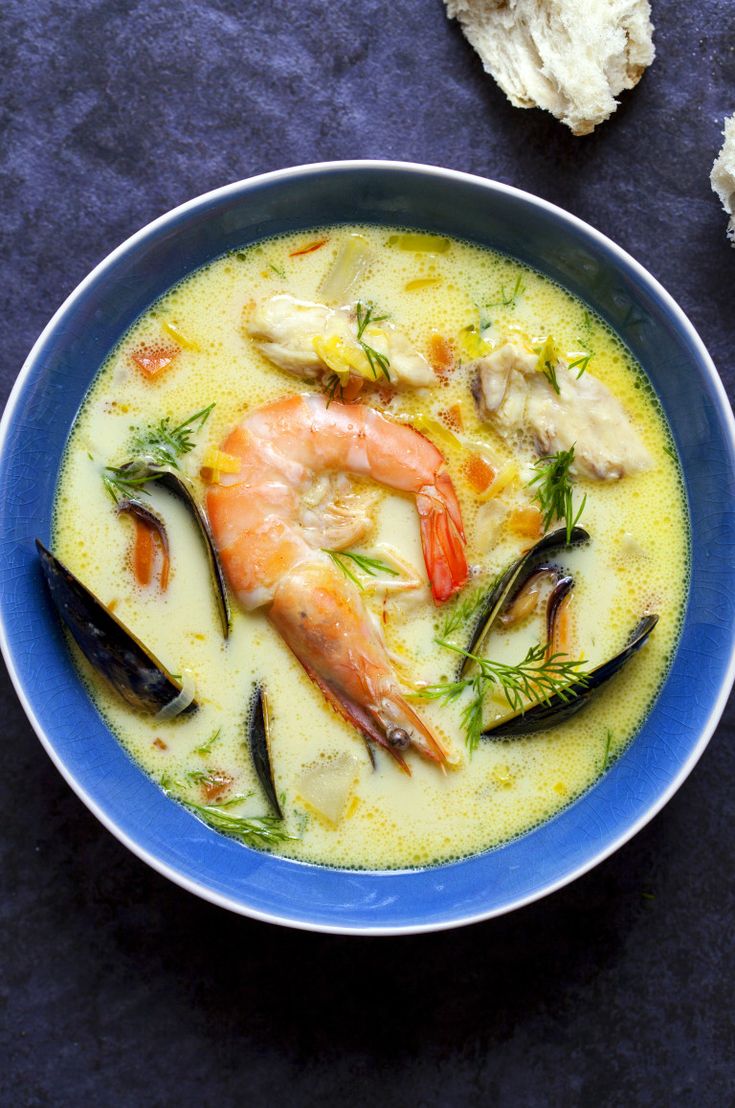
[(636, 563)]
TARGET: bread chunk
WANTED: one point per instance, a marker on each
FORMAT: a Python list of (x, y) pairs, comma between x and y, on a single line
[(571, 57), (723, 175)]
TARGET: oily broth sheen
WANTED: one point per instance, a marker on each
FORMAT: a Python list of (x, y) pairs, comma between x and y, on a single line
[(637, 561)]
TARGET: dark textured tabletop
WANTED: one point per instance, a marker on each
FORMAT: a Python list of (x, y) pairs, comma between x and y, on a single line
[(118, 988)]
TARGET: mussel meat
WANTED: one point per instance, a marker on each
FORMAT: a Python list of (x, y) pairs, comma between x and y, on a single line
[(512, 582), (110, 647), (560, 707), (259, 741), (179, 486)]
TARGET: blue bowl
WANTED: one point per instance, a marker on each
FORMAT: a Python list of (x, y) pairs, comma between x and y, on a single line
[(34, 429)]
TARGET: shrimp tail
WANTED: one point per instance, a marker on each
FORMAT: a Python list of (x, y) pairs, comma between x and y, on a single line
[(442, 538), (357, 716)]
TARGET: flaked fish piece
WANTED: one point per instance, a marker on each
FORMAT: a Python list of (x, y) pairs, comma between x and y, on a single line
[(312, 341), (517, 398)]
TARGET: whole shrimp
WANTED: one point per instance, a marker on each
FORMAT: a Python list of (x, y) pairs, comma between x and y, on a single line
[(273, 558)]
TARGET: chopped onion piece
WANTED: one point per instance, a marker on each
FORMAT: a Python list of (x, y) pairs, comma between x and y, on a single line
[(181, 702), (352, 258)]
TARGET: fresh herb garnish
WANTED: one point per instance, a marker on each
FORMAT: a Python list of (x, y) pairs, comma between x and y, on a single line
[(334, 388), (606, 756), (376, 360), (159, 446), (265, 829), (461, 612), (581, 363), (671, 453), (164, 445), (554, 490), (509, 301), (278, 270), (371, 566), (262, 829), (206, 747), (534, 679)]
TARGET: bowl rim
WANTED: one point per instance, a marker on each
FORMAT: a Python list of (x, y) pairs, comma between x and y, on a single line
[(450, 175)]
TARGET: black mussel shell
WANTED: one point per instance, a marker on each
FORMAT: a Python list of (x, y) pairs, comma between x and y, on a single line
[(558, 709), (260, 747), (107, 644), (512, 581), (179, 487)]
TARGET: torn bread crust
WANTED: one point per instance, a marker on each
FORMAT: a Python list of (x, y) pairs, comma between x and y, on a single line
[(517, 399), (571, 57), (723, 175)]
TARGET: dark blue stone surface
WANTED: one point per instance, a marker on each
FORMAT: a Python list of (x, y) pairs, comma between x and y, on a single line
[(117, 987)]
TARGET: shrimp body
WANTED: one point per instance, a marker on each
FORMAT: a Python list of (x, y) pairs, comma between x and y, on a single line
[(273, 558)]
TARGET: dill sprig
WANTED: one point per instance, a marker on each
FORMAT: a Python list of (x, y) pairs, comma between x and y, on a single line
[(509, 301), (206, 747), (582, 361), (371, 566), (464, 608), (260, 829), (163, 444), (554, 490), (156, 446), (606, 756), (278, 270), (533, 680), (376, 360), (334, 388)]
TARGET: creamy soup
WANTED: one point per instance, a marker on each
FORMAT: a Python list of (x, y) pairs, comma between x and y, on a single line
[(455, 305)]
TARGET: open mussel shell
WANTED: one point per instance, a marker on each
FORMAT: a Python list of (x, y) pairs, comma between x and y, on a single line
[(512, 581), (178, 486), (260, 746), (108, 645), (557, 709)]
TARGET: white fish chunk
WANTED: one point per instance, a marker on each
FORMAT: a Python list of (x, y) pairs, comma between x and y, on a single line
[(284, 329), (517, 399)]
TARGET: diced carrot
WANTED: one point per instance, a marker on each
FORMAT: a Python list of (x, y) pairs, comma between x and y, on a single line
[(151, 360), (160, 744), (215, 784), (309, 248), (441, 355), (452, 417), (526, 522), (480, 474)]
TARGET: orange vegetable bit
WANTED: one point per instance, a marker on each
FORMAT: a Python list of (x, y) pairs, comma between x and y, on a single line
[(526, 522), (479, 473), (215, 784), (160, 744), (152, 360), (309, 248), (452, 417), (441, 355)]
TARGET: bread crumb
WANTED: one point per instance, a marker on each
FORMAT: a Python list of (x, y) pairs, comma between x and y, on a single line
[(571, 57), (723, 175)]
